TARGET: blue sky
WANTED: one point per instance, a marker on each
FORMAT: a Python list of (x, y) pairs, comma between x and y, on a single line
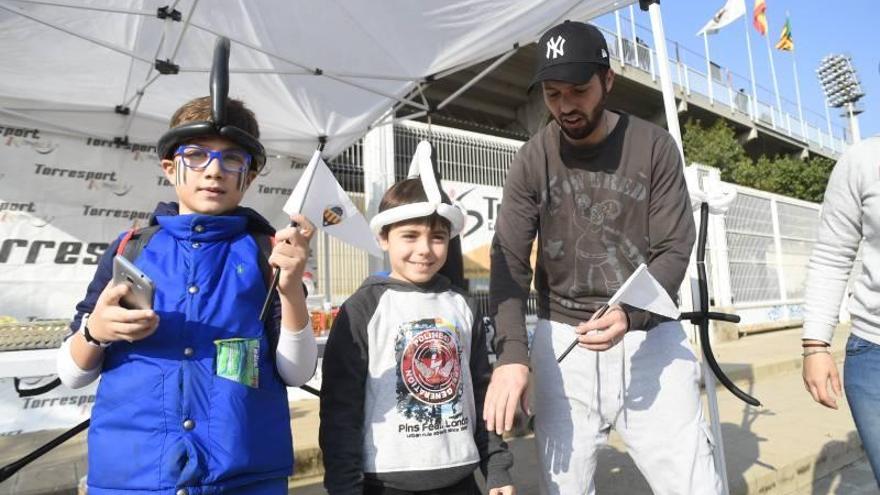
[(850, 27)]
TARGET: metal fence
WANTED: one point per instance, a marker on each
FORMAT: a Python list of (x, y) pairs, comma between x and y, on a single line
[(762, 249), (461, 156)]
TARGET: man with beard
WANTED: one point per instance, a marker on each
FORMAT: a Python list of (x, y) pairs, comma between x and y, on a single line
[(604, 192)]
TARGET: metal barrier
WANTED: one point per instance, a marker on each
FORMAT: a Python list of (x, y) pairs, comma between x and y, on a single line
[(759, 255)]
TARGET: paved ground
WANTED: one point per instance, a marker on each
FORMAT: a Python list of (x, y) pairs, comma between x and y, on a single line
[(854, 479)]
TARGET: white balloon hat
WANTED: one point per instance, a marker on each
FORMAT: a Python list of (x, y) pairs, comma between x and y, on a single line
[(422, 168)]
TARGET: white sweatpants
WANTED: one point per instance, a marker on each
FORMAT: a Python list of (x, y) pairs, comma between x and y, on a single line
[(646, 387)]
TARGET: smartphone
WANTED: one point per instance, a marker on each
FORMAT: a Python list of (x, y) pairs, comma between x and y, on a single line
[(142, 288)]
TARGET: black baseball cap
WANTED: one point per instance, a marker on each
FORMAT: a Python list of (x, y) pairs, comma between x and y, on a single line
[(570, 52)]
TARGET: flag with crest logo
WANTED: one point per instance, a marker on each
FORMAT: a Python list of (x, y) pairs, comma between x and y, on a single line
[(319, 197)]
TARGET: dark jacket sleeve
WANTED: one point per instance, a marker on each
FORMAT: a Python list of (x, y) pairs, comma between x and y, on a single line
[(671, 231), (103, 274), (495, 459), (344, 372), (511, 269)]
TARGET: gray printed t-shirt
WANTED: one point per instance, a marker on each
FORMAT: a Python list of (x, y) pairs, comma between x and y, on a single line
[(597, 213)]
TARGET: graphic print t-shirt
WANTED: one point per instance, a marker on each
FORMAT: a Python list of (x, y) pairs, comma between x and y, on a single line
[(419, 409)]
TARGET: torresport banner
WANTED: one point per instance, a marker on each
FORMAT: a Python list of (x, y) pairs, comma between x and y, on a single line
[(482, 204), (64, 199), (58, 408)]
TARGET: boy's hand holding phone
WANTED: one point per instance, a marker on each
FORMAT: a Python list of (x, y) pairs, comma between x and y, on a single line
[(110, 322), (291, 253)]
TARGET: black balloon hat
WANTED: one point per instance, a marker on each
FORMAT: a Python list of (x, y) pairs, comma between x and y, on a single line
[(217, 126)]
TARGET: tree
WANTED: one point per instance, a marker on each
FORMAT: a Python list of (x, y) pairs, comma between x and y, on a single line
[(715, 146), (786, 175)]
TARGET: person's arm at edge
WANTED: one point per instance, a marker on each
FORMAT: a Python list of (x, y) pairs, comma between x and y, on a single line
[(834, 253)]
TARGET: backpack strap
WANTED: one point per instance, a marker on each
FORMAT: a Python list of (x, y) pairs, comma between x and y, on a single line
[(134, 241)]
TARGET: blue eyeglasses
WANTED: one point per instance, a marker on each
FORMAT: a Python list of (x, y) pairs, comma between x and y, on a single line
[(195, 157)]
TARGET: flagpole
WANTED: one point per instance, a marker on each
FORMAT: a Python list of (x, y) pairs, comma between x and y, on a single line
[(797, 92), (708, 68), (751, 69), (773, 73), (797, 83)]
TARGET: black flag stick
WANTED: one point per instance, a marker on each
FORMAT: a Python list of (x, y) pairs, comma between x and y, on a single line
[(13, 467), (598, 314)]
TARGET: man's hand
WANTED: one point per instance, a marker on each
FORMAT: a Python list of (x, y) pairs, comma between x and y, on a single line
[(506, 390), (605, 332), (291, 252), (110, 322), (504, 490), (820, 370)]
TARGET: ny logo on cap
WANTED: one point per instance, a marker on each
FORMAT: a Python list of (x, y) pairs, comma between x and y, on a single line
[(554, 47)]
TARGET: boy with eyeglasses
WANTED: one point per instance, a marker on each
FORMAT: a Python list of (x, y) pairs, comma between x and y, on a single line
[(192, 396)]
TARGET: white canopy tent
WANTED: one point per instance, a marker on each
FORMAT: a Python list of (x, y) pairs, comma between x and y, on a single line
[(309, 69)]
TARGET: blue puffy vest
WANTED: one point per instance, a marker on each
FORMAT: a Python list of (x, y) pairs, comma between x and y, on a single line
[(164, 421)]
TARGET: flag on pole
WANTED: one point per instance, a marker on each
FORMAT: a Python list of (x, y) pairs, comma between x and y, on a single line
[(759, 17), (786, 42), (641, 290), (731, 11), (320, 198)]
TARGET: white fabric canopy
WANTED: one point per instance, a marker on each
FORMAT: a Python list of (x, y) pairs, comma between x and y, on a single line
[(68, 63)]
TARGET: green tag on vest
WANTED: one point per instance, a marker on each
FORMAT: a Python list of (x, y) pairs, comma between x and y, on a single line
[(238, 360)]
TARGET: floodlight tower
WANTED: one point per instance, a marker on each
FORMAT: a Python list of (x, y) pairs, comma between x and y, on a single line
[(842, 89)]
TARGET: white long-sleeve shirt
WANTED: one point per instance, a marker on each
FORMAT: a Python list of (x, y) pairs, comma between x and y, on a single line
[(850, 214), (296, 359)]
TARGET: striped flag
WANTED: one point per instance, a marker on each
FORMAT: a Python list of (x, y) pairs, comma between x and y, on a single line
[(786, 42), (759, 17)]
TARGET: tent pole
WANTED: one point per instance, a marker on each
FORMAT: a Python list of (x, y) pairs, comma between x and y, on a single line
[(665, 78), (77, 35), (146, 13)]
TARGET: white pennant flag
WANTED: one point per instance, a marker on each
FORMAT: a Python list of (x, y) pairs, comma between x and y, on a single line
[(320, 198), (732, 10), (641, 290)]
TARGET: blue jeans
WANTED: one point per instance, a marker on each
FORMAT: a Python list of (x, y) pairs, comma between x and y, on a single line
[(861, 380)]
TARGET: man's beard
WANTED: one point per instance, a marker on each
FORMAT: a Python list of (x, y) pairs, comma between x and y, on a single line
[(590, 121)]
